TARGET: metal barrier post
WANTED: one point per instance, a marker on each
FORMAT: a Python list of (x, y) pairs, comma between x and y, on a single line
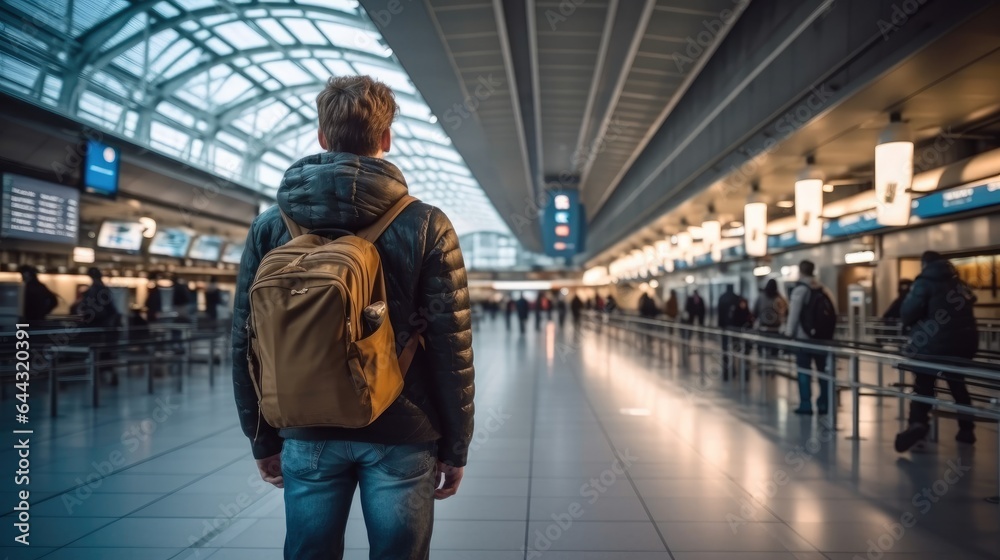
[(831, 392), (94, 384), (54, 385), (855, 398), (879, 397), (211, 362)]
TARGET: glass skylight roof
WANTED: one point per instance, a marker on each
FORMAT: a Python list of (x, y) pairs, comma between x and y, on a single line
[(227, 86)]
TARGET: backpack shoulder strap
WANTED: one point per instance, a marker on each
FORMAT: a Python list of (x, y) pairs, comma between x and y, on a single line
[(293, 228), (374, 231)]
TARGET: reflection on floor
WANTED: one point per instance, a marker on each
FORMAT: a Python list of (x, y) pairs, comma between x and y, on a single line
[(585, 449)]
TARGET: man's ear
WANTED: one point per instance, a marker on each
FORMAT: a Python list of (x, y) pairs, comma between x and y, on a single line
[(322, 140), (386, 140)]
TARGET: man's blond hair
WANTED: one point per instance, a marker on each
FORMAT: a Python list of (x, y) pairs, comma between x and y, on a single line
[(354, 113)]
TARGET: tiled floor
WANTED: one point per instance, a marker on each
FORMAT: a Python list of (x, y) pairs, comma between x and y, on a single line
[(585, 449)]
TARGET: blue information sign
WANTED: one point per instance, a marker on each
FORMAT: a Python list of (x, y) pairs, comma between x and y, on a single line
[(563, 224), (100, 172)]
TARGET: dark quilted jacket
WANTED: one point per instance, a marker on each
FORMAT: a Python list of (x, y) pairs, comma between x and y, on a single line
[(939, 313), (427, 289)]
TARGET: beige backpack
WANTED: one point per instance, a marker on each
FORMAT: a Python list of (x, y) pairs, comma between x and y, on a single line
[(312, 361)]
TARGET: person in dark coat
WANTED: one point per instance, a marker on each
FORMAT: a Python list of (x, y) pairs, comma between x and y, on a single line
[(523, 309), (894, 311), (213, 299), (509, 308), (672, 308), (97, 309), (576, 308), (938, 311), (39, 301), (561, 310), (695, 309), (415, 451), (726, 311)]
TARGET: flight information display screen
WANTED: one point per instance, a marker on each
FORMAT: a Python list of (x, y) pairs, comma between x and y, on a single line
[(233, 253), (120, 236), (35, 210), (170, 242), (206, 248)]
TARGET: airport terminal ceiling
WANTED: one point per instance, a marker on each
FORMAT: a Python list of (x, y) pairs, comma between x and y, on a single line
[(228, 87)]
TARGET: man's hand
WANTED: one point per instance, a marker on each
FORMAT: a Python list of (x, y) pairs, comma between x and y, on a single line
[(452, 479), (270, 470)]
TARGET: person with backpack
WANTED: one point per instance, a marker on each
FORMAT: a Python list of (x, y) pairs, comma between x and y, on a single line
[(97, 309), (938, 311), (39, 300), (770, 312), (812, 317), (352, 340)]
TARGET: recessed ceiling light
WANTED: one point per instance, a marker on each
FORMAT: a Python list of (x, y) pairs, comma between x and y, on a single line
[(786, 204), (735, 224), (828, 188)]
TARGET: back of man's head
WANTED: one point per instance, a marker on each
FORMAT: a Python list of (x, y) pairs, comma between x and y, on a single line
[(354, 114), (807, 268)]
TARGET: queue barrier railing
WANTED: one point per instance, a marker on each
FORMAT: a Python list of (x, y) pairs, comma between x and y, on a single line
[(693, 339)]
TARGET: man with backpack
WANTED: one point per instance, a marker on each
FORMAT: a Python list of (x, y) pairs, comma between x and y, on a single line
[(812, 317), (727, 310), (337, 286)]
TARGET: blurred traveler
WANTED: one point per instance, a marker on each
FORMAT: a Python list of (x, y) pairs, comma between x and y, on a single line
[(812, 317), (939, 313), (213, 298), (185, 304), (539, 309), (39, 301), (694, 307), (672, 308), (154, 299), (647, 306), (726, 319), (770, 312), (576, 308), (610, 304), (561, 310), (509, 308), (98, 311), (523, 309), (418, 447), (894, 311)]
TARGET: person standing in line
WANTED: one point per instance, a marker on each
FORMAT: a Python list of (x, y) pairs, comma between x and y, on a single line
[(770, 312), (695, 309), (671, 309), (39, 301), (894, 312), (938, 310), (416, 451), (576, 308), (725, 320), (523, 310), (812, 318)]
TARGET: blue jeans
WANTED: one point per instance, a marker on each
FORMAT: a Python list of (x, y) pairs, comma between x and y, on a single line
[(804, 361), (397, 497)]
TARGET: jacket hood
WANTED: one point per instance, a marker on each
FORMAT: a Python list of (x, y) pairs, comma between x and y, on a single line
[(339, 190), (939, 270)]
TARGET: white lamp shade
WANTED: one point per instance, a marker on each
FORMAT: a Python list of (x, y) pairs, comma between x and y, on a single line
[(808, 209), (755, 234), (684, 241), (893, 177), (711, 236)]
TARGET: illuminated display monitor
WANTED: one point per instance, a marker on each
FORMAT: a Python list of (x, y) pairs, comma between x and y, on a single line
[(563, 224), (233, 253), (34, 210), (120, 236), (100, 171), (170, 242), (206, 248)]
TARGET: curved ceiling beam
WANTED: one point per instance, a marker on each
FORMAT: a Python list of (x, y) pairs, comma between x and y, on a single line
[(101, 58)]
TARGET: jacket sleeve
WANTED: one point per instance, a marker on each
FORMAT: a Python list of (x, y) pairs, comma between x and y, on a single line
[(444, 294), (265, 440), (798, 297), (914, 307)]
